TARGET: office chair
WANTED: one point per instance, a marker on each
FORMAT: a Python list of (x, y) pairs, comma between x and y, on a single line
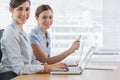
[(1, 33), (9, 74)]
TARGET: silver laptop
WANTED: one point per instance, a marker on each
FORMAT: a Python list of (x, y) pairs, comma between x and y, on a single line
[(73, 61), (81, 66)]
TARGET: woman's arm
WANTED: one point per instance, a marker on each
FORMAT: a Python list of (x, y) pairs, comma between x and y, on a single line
[(41, 55)]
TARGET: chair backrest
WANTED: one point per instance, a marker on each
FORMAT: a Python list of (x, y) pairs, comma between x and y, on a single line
[(1, 33), (7, 75)]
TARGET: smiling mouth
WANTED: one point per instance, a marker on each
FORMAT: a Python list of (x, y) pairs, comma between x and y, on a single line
[(23, 18)]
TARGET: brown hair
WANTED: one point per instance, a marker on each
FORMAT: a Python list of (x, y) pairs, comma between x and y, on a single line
[(42, 8), (16, 3)]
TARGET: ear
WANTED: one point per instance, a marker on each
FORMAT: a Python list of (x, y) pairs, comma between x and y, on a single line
[(11, 9)]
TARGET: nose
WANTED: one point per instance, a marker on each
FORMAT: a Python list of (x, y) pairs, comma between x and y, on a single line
[(24, 12), (48, 20)]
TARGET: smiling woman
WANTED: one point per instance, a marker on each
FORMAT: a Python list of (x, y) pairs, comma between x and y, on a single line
[(40, 37), (17, 55), (20, 11)]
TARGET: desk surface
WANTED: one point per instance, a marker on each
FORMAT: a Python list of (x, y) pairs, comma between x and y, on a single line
[(88, 74)]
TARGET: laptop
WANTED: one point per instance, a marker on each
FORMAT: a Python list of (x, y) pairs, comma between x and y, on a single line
[(81, 66), (73, 61)]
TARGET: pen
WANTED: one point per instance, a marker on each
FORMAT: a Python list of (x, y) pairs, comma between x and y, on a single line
[(79, 36)]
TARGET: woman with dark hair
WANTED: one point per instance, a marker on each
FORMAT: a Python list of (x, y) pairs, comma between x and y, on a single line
[(17, 52), (40, 38)]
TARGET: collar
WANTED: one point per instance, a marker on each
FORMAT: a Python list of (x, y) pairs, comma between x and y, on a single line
[(40, 33), (17, 28)]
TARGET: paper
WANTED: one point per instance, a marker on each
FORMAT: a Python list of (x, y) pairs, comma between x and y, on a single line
[(107, 51), (105, 58), (101, 67)]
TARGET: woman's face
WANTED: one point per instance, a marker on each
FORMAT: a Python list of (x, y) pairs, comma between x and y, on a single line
[(45, 19), (21, 13)]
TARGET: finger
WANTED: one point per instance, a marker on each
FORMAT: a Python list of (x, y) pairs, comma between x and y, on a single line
[(65, 64), (61, 70), (64, 69), (67, 69), (77, 40)]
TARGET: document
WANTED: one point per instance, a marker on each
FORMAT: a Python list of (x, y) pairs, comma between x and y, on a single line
[(107, 51), (105, 58), (101, 67)]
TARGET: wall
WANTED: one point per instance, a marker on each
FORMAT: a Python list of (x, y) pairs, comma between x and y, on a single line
[(111, 23)]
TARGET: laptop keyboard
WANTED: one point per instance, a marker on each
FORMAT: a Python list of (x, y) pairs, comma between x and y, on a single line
[(74, 69)]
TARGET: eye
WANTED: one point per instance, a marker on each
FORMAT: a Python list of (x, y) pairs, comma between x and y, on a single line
[(44, 17), (27, 9), (20, 9), (50, 17)]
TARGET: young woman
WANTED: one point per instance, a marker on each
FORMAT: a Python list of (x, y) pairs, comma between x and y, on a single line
[(17, 52), (40, 38)]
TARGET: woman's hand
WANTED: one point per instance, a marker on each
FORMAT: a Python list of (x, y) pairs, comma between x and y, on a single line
[(55, 67), (75, 45)]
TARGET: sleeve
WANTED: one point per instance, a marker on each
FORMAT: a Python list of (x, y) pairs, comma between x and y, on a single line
[(15, 59), (35, 61), (34, 39)]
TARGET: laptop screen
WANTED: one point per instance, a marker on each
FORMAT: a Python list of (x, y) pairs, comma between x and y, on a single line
[(87, 58)]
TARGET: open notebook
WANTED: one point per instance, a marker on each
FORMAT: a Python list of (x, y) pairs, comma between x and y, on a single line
[(81, 66)]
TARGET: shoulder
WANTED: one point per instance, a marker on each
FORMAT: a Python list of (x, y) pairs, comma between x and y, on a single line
[(33, 35), (10, 33), (34, 32), (10, 30)]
